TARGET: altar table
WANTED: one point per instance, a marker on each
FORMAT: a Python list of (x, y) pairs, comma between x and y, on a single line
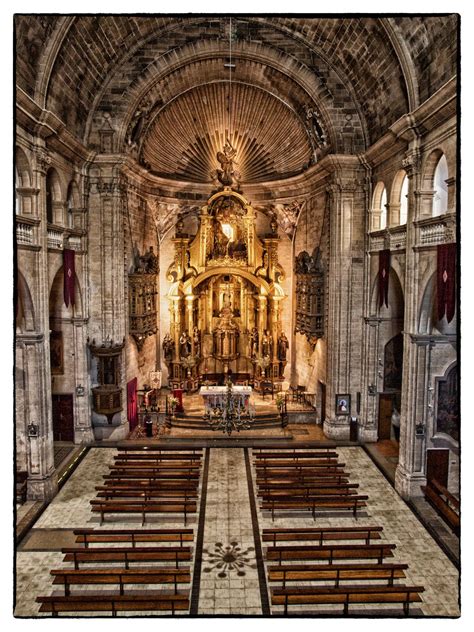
[(215, 396)]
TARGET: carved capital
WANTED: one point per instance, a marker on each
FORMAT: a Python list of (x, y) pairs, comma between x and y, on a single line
[(411, 163), (43, 160)]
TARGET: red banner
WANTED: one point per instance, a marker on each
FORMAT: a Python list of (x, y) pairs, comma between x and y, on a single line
[(69, 277), (446, 281), (384, 271), (132, 409)]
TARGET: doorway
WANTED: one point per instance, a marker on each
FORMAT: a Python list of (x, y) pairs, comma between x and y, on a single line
[(437, 465), (322, 389), (63, 417), (385, 416)]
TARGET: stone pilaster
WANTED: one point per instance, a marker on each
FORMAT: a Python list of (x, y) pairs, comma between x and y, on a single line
[(345, 279)]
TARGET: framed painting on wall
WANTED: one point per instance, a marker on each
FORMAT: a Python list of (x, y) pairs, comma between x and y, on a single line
[(343, 404)]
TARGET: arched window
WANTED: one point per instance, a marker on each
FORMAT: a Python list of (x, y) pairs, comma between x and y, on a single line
[(53, 194), (383, 209), (18, 200), (404, 201), (440, 197), (379, 207), (70, 204), (22, 180)]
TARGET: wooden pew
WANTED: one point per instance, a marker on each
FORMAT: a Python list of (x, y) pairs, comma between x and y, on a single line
[(313, 503), (150, 468), (299, 489), (346, 595), (443, 501), (96, 536), (264, 457), (157, 448), (163, 506), (298, 466), (120, 576), (154, 457), (305, 477), (149, 483), (152, 477), (125, 555), (87, 602), (146, 494), (330, 552), (322, 534), (336, 572)]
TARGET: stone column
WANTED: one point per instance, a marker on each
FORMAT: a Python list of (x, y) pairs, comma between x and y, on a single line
[(42, 479), (345, 289), (407, 476), (368, 421), (83, 432)]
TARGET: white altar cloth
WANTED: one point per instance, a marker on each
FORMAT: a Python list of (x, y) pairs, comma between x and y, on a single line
[(216, 395)]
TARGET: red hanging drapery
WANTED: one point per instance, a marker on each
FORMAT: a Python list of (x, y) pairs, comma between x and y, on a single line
[(446, 281), (132, 409), (384, 270), (69, 277)]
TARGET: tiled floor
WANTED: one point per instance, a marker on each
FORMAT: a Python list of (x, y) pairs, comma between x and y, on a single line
[(230, 578)]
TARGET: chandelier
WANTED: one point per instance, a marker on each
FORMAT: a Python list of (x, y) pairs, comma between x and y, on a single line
[(228, 414)]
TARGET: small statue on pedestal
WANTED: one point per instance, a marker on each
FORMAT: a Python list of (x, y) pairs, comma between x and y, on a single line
[(168, 348)]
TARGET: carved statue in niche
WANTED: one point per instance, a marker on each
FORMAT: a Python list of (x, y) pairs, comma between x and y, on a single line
[(282, 348), (228, 234), (197, 341), (283, 345), (254, 342), (168, 348), (267, 344), (184, 345), (150, 262)]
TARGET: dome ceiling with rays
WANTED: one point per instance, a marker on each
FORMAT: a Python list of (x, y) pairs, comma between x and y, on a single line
[(185, 136)]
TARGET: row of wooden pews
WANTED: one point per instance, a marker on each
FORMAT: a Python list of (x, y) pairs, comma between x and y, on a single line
[(445, 503), (150, 481), (149, 568), (157, 563), (330, 560), (312, 481), (327, 568)]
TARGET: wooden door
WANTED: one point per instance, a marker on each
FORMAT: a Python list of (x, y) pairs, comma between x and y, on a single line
[(63, 417), (437, 466), (385, 416), (322, 388)]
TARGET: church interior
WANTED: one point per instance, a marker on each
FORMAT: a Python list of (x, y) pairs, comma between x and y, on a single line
[(236, 311)]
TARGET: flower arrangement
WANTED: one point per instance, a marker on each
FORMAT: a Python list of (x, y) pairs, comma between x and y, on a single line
[(173, 402)]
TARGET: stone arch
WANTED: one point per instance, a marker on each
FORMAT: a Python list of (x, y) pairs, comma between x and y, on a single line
[(57, 307), (23, 168), (378, 211), (396, 299), (428, 319), (73, 201), (54, 197), (23, 183), (24, 308), (398, 205)]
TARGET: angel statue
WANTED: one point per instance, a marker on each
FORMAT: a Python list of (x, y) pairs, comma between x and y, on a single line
[(226, 175)]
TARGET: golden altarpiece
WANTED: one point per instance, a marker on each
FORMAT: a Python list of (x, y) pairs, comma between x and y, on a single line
[(225, 299)]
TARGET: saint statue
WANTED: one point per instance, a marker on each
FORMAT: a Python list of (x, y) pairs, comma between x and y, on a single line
[(197, 342), (226, 175), (254, 343), (184, 345), (267, 344), (168, 348), (283, 345)]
